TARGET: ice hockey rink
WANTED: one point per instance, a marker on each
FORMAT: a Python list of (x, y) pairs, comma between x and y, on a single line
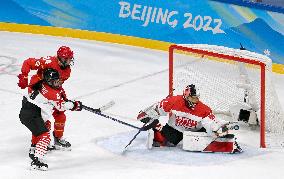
[(134, 78)]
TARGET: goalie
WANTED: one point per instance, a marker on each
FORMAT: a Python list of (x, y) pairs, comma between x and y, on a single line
[(190, 120)]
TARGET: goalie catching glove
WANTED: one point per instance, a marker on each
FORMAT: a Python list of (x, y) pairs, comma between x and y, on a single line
[(150, 117), (151, 123)]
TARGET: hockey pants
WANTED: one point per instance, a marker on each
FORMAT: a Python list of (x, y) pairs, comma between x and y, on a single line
[(30, 116)]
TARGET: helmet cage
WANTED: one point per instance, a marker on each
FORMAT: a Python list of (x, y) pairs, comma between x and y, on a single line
[(52, 78), (191, 96), (66, 62)]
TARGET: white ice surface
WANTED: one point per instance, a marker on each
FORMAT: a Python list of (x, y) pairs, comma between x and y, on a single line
[(134, 78)]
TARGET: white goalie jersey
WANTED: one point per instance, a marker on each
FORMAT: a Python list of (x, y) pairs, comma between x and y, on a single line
[(183, 118)]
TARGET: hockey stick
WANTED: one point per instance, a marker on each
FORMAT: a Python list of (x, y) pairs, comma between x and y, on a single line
[(107, 105), (100, 109), (134, 137), (145, 127), (98, 112)]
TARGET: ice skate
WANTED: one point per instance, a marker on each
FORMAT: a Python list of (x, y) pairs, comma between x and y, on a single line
[(237, 149), (50, 148), (32, 151), (61, 143), (36, 164)]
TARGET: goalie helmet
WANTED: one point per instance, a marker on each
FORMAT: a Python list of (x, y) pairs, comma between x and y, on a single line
[(191, 96), (52, 78), (65, 56)]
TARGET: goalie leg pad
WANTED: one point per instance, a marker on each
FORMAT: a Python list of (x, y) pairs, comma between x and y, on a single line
[(201, 142), (155, 139), (150, 139), (226, 146), (195, 141)]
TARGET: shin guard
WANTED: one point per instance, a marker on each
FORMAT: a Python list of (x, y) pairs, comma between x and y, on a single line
[(59, 123)]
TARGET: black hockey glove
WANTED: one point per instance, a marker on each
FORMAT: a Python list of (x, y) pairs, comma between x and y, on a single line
[(151, 125), (146, 120), (77, 106)]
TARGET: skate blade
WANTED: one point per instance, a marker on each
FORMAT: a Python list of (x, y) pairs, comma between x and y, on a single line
[(62, 148), (237, 151), (51, 148), (35, 168)]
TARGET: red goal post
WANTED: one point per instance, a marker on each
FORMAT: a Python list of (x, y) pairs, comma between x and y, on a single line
[(202, 53)]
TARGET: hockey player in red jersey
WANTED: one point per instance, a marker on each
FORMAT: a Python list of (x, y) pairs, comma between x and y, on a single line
[(61, 63), (186, 113), (37, 107)]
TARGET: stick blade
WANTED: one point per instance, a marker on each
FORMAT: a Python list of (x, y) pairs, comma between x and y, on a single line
[(107, 105)]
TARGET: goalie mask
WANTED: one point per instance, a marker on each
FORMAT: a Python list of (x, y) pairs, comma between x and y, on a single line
[(52, 78), (191, 96)]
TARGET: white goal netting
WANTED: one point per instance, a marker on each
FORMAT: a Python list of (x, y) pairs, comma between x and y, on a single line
[(223, 82)]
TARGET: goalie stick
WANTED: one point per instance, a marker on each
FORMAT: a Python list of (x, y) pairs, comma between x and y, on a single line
[(134, 137), (145, 127)]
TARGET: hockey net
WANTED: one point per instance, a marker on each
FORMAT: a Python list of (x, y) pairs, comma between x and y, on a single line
[(222, 76)]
